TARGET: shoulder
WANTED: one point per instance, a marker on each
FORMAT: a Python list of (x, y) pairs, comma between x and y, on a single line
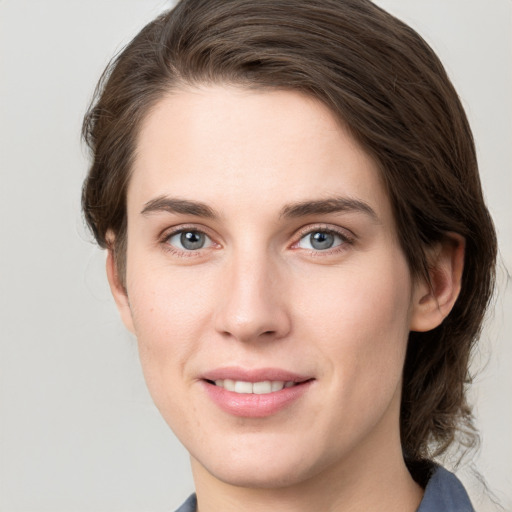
[(189, 506), (445, 493)]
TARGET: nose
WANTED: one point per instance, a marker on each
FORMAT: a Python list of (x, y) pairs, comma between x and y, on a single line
[(252, 305)]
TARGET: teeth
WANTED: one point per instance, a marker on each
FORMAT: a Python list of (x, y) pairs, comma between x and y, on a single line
[(277, 386), (243, 387), (261, 388), (258, 388), (229, 384)]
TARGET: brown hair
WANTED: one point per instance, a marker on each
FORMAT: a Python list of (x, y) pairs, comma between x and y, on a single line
[(386, 84)]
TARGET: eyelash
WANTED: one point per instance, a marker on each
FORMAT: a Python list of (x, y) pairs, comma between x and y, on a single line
[(179, 252), (347, 238)]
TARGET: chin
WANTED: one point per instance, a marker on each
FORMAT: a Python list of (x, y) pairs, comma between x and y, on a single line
[(268, 467), (260, 475)]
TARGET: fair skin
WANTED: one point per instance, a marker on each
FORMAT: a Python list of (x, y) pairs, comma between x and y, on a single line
[(262, 248)]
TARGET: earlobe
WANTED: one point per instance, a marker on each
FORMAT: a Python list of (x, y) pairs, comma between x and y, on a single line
[(118, 291), (432, 302)]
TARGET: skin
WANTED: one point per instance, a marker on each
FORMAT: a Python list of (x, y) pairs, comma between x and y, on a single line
[(259, 295)]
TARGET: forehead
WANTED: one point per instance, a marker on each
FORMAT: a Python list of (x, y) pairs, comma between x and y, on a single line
[(228, 145)]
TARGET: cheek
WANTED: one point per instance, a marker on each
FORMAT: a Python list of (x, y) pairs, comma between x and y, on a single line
[(165, 302), (169, 311), (360, 324), (360, 319)]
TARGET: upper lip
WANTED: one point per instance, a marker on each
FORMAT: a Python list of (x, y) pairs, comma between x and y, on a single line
[(254, 374)]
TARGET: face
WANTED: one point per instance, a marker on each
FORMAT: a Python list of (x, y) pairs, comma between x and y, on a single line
[(265, 286)]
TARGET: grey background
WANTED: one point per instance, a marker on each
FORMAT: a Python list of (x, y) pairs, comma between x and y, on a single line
[(78, 431)]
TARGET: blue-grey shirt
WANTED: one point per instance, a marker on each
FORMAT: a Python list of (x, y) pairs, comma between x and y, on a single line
[(443, 493)]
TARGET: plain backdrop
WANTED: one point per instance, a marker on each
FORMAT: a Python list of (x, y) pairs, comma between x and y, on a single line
[(78, 431)]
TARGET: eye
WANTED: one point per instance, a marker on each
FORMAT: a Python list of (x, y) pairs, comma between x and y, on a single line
[(321, 240), (189, 240)]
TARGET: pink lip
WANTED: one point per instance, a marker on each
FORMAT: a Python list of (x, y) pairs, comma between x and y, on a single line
[(254, 405), (254, 375)]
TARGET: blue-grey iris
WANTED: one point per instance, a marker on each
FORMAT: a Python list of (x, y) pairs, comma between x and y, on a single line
[(321, 240), (192, 240)]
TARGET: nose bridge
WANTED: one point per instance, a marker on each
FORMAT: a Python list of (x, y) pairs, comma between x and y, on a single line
[(252, 305)]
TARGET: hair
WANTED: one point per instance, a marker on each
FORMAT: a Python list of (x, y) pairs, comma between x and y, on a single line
[(384, 83)]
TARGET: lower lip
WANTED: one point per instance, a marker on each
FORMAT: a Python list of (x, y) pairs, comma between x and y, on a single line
[(251, 405)]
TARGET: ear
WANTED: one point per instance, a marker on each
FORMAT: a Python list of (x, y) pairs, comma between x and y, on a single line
[(118, 291), (432, 302)]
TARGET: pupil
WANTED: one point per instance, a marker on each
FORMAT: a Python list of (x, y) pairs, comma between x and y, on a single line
[(321, 240), (192, 240)]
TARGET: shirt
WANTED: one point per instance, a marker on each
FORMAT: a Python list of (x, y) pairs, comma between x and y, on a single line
[(443, 493)]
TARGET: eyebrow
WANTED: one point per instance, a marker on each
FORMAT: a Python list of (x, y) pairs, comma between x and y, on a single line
[(293, 210), (330, 205), (181, 206)]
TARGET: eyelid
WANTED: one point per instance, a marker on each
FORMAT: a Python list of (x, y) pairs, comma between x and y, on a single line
[(172, 230), (166, 234), (345, 234), (208, 242)]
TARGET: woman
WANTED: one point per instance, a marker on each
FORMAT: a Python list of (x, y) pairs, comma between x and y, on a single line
[(289, 195)]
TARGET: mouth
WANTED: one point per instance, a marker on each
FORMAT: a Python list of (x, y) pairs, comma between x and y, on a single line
[(255, 393), (257, 388)]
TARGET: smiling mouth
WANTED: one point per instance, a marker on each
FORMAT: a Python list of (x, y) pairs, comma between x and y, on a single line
[(257, 393), (258, 388)]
